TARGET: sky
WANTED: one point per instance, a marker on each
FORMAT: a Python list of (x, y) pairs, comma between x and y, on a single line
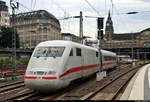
[(122, 22)]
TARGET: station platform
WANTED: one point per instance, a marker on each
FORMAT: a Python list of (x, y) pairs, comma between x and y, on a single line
[(139, 86)]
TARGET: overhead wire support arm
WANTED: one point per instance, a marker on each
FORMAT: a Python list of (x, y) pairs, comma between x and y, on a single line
[(80, 25)]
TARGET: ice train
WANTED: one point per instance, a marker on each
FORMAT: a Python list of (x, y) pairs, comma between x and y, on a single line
[(54, 64)]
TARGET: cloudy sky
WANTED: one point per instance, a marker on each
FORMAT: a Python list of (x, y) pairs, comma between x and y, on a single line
[(122, 22)]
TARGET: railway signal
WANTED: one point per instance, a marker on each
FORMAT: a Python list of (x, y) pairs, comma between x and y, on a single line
[(100, 23), (100, 34), (101, 73)]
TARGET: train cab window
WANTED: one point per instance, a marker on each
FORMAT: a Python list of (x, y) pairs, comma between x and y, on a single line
[(40, 52), (49, 52), (78, 51), (71, 52), (96, 54)]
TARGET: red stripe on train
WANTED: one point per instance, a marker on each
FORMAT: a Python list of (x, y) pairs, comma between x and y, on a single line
[(83, 68), (71, 71), (78, 69), (30, 77), (49, 77)]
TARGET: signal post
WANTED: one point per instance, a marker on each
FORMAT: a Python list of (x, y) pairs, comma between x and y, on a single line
[(101, 74)]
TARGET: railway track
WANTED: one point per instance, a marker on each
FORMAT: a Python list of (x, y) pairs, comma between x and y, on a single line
[(53, 96), (6, 90), (11, 86), (21, 92), (112, 89)]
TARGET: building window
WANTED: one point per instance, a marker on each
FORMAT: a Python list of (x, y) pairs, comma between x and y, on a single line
[(45, 36), (5, 20), (45, 30)]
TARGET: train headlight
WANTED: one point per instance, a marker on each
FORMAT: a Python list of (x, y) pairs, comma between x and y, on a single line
[(30, 72), (51, 73)]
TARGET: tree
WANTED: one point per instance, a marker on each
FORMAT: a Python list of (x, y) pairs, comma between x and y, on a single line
[(6, 37)]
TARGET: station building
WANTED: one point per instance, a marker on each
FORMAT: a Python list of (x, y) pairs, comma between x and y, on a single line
[(35, 27), (124, 40), (4, 14), (70, 37)]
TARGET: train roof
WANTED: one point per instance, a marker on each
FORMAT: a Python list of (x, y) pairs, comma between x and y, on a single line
[(105, 52), (70, 43), (63, 43)]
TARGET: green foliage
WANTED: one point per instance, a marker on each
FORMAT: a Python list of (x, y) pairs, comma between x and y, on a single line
[(22, 62), (6, 37), (5, 63)]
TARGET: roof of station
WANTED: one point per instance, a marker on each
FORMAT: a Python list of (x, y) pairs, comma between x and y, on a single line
[(40, 14)]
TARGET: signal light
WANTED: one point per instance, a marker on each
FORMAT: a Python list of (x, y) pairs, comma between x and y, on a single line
[(100, 34), (100, 23)]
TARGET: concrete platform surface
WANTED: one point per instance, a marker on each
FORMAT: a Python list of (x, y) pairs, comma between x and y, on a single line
[(139, 86)]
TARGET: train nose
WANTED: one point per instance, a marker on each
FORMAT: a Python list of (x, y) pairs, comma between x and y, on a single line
[(43, 84)]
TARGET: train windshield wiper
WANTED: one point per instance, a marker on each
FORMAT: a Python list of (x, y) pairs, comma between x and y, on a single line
[(37, 56)]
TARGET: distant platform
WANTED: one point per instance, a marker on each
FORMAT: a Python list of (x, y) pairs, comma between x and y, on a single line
[(139, 86)]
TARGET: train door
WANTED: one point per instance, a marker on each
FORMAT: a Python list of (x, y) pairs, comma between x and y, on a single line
[(86, 59)]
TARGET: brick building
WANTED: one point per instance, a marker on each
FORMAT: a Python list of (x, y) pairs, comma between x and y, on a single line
[(35, 27)]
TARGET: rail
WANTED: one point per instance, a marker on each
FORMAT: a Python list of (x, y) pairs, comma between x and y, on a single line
[(91, 95)]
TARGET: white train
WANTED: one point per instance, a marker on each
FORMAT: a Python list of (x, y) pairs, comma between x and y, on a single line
[(54, 64)]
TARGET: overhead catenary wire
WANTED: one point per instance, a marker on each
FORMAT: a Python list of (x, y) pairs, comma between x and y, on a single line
[(105, 7), (92, 29), (31, 4), (66, 15), (112, 4), (24, 6), (34, 5), (65, 12), (92, 7)]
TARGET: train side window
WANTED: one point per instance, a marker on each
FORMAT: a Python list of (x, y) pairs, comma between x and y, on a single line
[(106, 58), (78, 51), (71, 52), (96, 54)]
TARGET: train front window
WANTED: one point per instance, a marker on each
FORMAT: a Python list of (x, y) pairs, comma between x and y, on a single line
[(55, 51), (41, 52), (49, 52)]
